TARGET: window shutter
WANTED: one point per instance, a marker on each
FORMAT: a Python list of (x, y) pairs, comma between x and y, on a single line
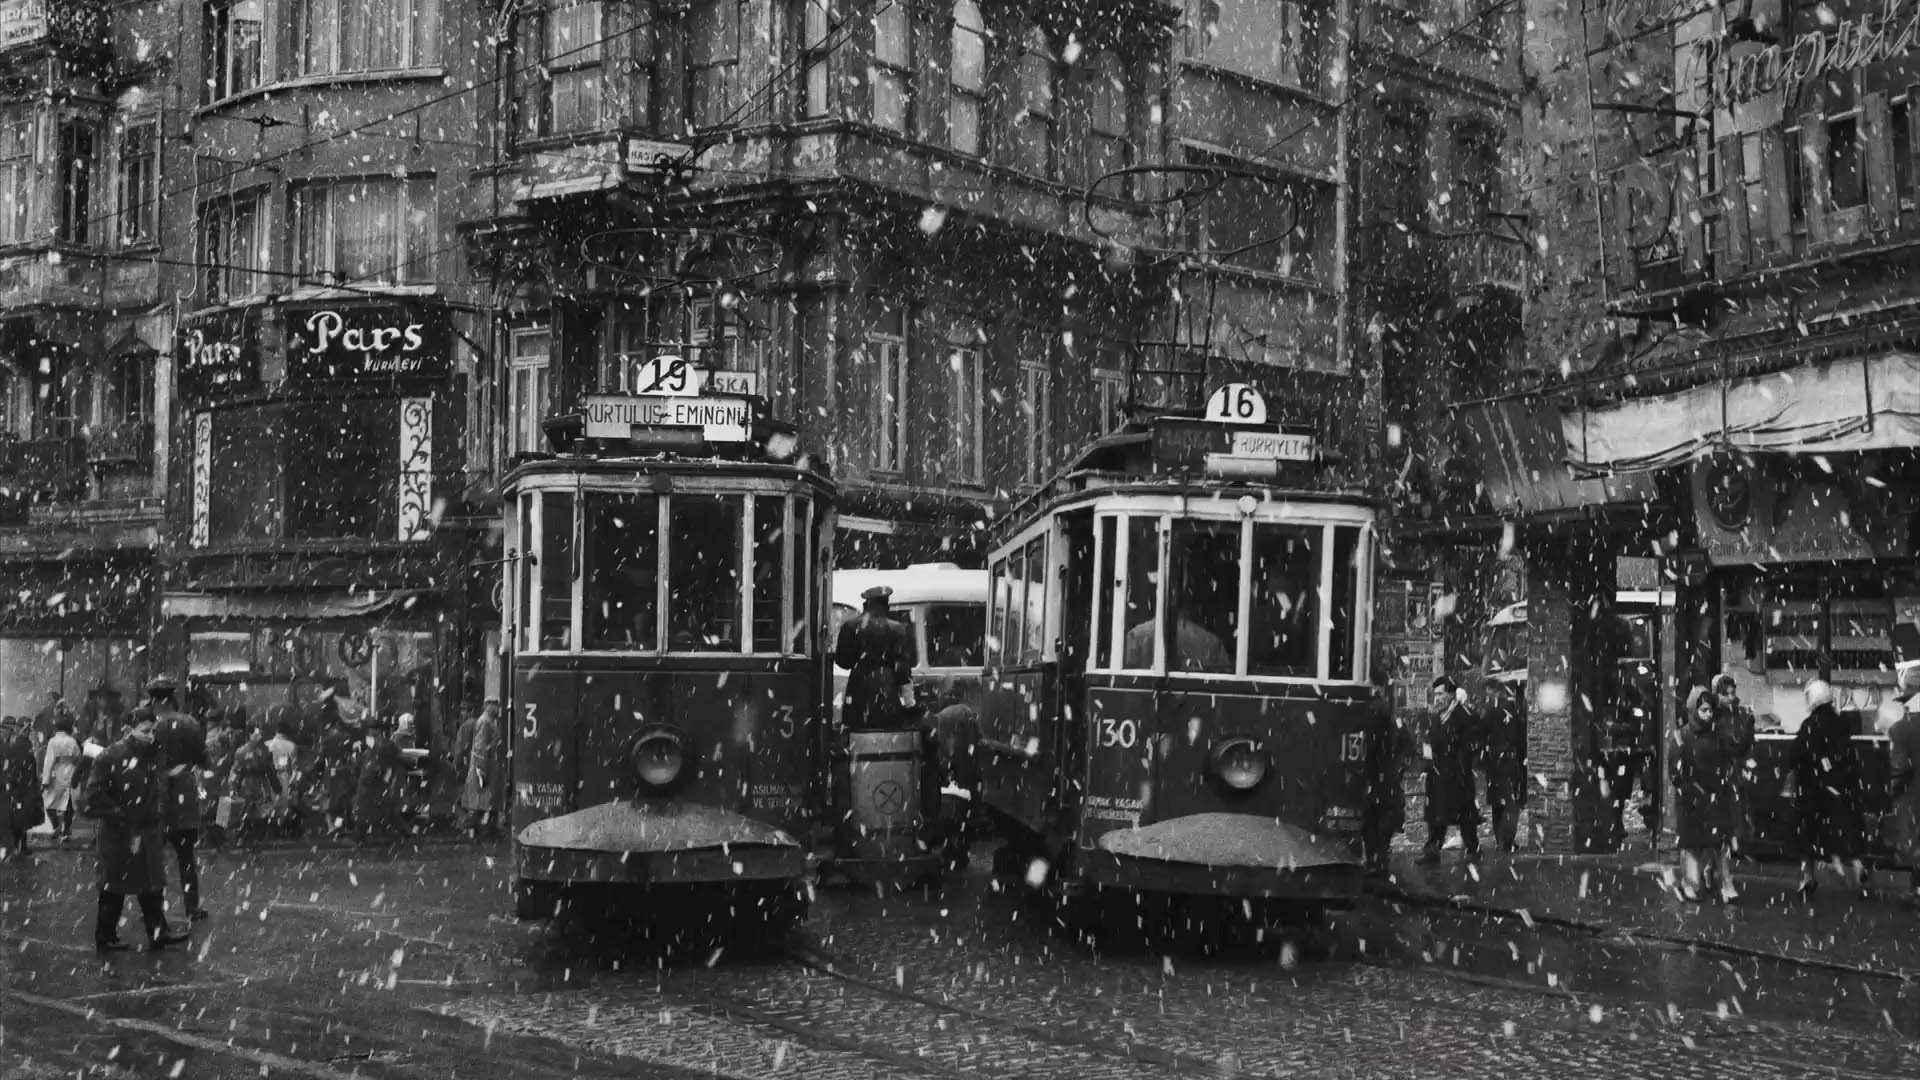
[(1883, 203), (1733, 203), (1813, 166), (1777, 231), (1693, 225), (1622, 270)]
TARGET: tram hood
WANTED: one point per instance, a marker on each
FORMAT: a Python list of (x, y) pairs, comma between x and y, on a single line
[(1228, 840), (651, 825)]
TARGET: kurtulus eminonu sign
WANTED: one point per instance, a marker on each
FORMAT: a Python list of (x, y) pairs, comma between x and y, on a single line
[(368, 341)]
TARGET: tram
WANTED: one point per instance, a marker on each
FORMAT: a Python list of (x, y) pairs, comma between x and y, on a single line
[(668, 668), (1177, 681)]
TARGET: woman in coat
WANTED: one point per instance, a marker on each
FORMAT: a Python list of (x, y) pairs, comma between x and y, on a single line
[(486, 764), (382, 786), (1826, 785), (60, 776), (1703, 780), (20, 781), (256, 788), (1902, 729)]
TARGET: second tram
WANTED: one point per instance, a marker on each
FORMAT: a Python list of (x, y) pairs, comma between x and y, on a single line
[(1177, 678), (668, 676)]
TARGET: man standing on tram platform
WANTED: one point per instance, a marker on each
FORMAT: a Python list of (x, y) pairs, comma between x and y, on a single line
[(878, 653)]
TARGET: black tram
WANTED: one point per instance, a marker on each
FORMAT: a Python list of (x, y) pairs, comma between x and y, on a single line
[(1177, 678), (668, 675)]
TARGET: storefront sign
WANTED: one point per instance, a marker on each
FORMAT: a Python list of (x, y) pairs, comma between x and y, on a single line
[(1783, 510), (217, 353), (416, 469), (22, 21), (620, 416), (1863, 41), (368, 342), (202, 479)]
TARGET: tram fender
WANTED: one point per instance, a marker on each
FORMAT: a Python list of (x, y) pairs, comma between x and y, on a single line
[(1240, 840), (651, 825)]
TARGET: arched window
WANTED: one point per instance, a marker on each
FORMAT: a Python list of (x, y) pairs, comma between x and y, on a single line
[(967, 104), (1034, 131)]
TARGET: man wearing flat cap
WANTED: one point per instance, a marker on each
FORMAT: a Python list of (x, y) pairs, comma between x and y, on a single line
[(878, 652)]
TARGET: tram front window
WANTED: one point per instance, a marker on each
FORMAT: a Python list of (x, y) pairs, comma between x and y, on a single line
[(1206, 607), (1140, 610), (769, 548), (623, 575), (1285, 606), (703, 574), (556, 572)]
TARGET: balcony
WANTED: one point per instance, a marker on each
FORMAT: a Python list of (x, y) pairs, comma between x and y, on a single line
[(54, 468), (1483, 261), (121, 447), (49, 279), (78, 23)]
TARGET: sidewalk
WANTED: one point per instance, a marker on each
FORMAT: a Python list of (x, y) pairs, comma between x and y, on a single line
[(1631, 893), (83, 833)]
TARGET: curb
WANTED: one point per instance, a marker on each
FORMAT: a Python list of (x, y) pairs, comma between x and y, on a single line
[(1598, 929), (85, 846)]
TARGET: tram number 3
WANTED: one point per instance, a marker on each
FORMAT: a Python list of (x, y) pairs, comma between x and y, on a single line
[(1121, 733), (1353, 746)]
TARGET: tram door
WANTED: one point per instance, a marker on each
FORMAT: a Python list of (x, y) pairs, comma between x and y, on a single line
[(1073, 542)]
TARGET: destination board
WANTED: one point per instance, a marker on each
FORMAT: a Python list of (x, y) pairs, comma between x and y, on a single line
[(617, 416)]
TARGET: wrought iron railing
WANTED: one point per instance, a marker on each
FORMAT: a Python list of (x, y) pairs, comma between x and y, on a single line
[(121, 446)]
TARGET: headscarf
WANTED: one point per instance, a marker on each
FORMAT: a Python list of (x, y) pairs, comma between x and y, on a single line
[(1819, 692), (1694, 697), (1890, 713)]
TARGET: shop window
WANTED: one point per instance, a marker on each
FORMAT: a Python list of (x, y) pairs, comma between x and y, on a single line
[(1277, 42), (343, 36), (233, 248), (887, 346), (527, 390), (245, 490), (816, 26), (234, 47), (703, 574), (967, 415), (136, 183), (967, 103), (1036, 421), (1035, 127), (714, 93), (893, 61), (360, 232), (623, 572), (16, 174), (219, 652), (567, 82), (1284, 608), (74, 183), (343, 480)]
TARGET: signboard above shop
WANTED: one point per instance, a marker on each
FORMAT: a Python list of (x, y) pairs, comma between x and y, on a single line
[(368, 341), (218, 354), (22, 21)]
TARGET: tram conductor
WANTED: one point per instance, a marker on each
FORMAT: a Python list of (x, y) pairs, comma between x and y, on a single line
[(878, 653)]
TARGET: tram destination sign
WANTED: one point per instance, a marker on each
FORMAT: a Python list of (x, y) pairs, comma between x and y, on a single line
[(620, 416)]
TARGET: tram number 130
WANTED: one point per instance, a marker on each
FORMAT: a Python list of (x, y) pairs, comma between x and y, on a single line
[(1122, 733)]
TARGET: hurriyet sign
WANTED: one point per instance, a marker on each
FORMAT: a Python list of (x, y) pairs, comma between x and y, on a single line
[(372, 341), (619, 416), (22, 21)]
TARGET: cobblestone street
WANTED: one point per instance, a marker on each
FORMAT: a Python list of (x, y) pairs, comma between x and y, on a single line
[(405, 965)]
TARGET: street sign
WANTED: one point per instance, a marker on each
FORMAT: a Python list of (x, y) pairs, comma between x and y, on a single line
[(1274, 445), (617, 416), (1237, 403), (668, 375)]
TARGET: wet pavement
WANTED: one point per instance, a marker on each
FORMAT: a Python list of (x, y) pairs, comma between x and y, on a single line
[(339, 963)]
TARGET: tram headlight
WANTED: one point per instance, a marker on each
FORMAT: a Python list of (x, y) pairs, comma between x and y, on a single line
[(1240, 762), (659, 757)]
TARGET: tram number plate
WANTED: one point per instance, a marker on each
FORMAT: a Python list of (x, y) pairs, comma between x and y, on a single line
[(1276, 445)]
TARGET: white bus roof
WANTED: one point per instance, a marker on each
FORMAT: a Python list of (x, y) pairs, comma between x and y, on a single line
[(922, 583), (1625, 598)]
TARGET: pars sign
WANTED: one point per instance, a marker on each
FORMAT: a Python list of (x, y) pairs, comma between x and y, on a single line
[(371, 342)]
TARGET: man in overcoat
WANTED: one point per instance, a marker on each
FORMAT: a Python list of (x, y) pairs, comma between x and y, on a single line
[(127, 795), (1453, 743), (486, 772), (1506, 762), (879, 655), (183, 747)]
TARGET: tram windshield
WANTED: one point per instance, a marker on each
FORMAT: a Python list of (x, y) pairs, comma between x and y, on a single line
[(673, 573)]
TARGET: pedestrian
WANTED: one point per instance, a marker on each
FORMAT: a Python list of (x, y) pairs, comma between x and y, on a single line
[(1385, 812), (382, 783), (286, 765), (256, 789), (955, 733), (879, 655), (456, 767), (1738, 726), (60, 777), (1703, 782), (1453, 739), (336, 769), (220, 748), (127, 796), (1505, 763), (1903, 735), (23, 809), (486, 767), (183, 748), (1825, 781)]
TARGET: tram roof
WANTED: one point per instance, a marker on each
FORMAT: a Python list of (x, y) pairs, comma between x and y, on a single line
[(806, 467), (923, 583)]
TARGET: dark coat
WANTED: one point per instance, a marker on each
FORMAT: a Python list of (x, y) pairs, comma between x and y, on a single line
[(256, 783), (1453, 742), (337, 769), (127, 795), (183, 746), (1904, 759), (1506, 752), (485, 768), (24, 808), (1828, 778), (1706, 810), (879, 656), (383, 779)]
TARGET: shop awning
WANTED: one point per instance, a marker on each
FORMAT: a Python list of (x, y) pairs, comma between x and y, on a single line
[(1523, 462), (1844, 406), (306, 607)]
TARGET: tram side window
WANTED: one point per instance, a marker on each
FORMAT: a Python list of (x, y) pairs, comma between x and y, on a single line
[(1345, 602), (703, 573), (769, 568), (1033, 643), (623, 572), (1010, 592), (803, 585), (1206, 600), (556, 572), (1140, 604), (528, 627), (954, 635), (1284, 638), (1103, 587)]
